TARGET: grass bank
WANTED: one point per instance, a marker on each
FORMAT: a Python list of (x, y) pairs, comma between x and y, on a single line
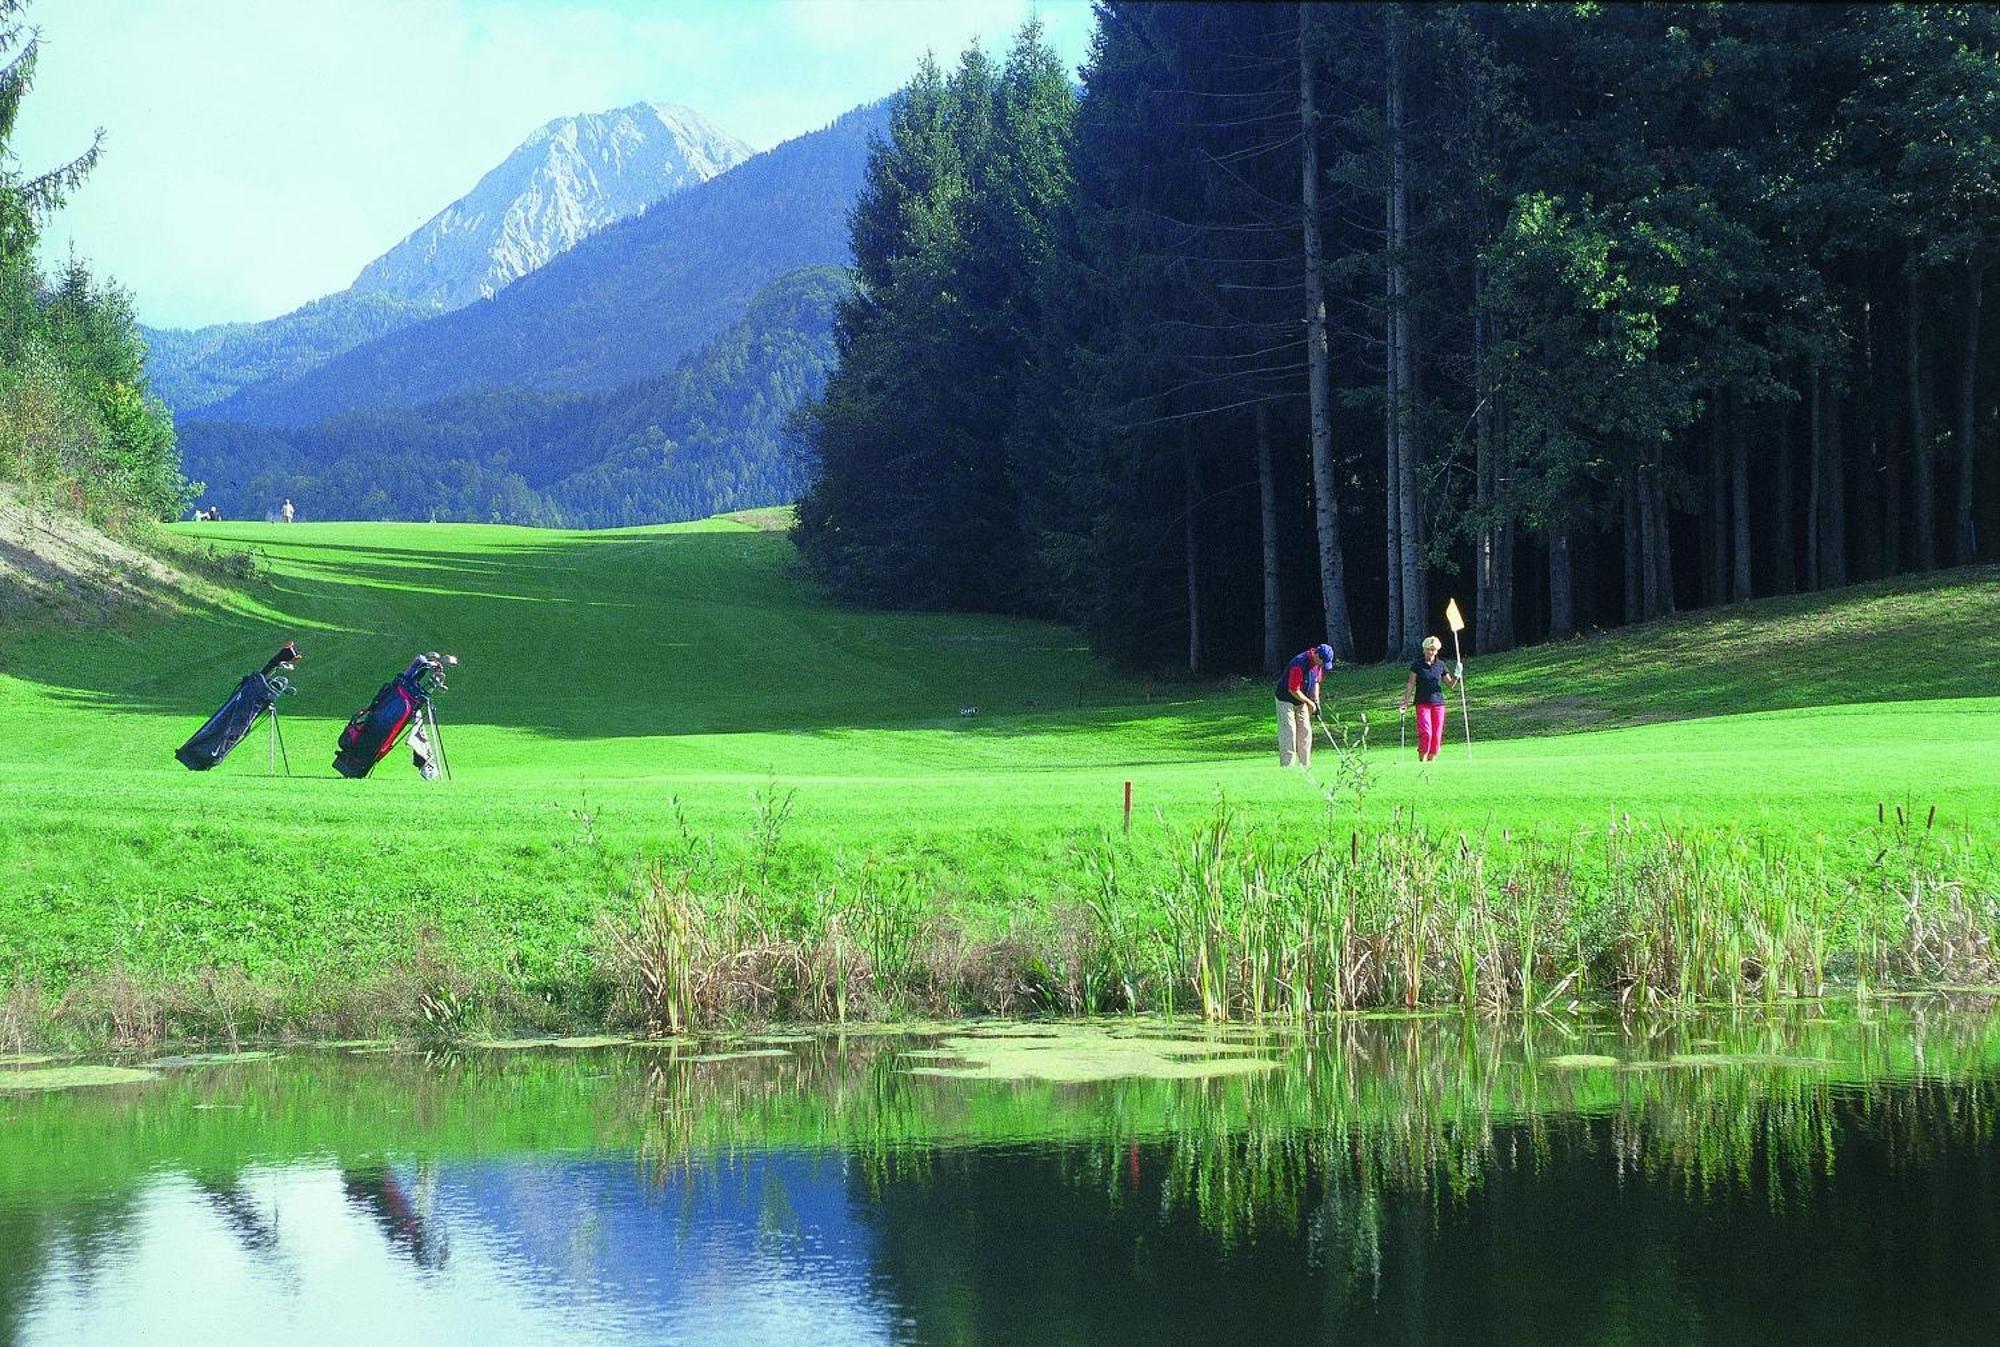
[(686, 787)]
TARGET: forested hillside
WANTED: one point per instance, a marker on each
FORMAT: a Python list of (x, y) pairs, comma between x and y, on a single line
[(191, 368), (624, 305), (79, 430), (705, 438), (1302, 318)]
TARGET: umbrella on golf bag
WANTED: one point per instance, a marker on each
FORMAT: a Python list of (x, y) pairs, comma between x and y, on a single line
[(402, 706), (255, 695)]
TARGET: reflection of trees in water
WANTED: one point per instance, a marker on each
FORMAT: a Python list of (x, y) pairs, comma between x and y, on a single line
[(1736, 1104), (412, 1226), (87, 1236)]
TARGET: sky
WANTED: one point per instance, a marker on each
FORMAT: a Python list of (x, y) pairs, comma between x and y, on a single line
[(258, 153)]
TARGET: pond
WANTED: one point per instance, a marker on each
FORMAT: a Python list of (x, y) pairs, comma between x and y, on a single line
[(1798, 1173)]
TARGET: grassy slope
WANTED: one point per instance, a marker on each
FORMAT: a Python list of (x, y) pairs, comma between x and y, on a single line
[(606, 675)]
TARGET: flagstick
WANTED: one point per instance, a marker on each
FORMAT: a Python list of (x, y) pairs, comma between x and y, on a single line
[(1464, 713)]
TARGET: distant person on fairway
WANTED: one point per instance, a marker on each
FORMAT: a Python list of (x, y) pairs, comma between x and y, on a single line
[(1298, 703), (285, 511), (1429, 677)]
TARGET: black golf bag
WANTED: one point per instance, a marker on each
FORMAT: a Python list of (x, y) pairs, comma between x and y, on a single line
[(401, 707), (255, 696)]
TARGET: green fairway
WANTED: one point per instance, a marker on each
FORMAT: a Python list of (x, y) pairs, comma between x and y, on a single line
[(655, 693)]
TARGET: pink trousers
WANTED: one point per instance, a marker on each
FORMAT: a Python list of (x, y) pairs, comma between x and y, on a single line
[(1430, 729)]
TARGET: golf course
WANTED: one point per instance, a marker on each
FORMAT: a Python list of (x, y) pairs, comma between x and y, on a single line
[(666, 747)]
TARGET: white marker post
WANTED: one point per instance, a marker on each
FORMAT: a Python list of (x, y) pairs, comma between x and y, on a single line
[(1456, 620)]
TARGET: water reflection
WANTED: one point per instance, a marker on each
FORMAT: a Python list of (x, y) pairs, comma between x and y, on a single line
[(1802, 1173)]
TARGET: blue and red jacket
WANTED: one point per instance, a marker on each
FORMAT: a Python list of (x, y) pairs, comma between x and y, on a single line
[(1302, 675)]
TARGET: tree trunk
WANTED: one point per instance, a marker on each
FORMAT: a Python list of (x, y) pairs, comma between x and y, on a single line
[(1923, 492), (1833, 533), (1562, 589), (1715, 521), (1407, 588), (1392, 478), (1656, 556), (1493, 608), (1628, 494), (1191, 486), (1267, 514), (1865, 542), (1784, 559), (1964, 541), (1663, 600), (1326, 504), (1739, 505), (1815, 474)]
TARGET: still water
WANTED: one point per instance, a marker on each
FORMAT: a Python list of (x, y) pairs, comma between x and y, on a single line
[(1803, 1174)]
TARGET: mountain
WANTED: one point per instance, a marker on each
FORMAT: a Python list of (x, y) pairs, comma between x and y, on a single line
[(625, 304), (571, 177), (706, 437), (567, 180)]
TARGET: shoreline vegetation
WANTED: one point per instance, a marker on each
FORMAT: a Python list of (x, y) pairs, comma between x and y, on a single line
[(1225, 921)]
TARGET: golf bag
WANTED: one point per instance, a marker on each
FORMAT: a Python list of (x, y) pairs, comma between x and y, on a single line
[(400, 708), (256, 695)]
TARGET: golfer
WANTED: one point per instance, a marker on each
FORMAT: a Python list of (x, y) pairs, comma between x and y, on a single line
[(1429, 677), (1298, 702), (285, 511)]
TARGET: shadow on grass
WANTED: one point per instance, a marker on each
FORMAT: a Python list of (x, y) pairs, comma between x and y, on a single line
[(627, 633), (589, 636)]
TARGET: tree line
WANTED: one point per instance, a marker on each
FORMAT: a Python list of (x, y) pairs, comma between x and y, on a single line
[(78, 428), (1297, 319)]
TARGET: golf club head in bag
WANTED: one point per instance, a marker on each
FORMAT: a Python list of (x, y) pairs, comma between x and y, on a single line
[(397, 709), (254, 695)]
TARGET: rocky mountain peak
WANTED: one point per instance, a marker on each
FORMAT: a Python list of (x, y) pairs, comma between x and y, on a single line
[(568, 179)]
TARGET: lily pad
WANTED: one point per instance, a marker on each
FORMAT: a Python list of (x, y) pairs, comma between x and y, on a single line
[(1578, 1061), (73, 1077)]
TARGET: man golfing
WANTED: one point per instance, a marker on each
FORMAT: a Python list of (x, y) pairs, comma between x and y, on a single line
[(1429, 677), (1298, 702)]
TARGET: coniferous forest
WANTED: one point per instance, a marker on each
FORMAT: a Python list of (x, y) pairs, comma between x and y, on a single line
[(1295, 320), (78, 428)]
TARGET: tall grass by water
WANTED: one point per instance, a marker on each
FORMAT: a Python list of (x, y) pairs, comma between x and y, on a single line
[(1244, 925)]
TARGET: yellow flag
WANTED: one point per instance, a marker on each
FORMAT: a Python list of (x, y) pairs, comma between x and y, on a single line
[(1453, 616)]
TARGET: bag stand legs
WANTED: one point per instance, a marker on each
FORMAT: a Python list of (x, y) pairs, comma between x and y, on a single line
[(274, 746)]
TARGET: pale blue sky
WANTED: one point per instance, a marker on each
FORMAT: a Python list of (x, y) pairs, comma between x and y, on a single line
[(259, 152)]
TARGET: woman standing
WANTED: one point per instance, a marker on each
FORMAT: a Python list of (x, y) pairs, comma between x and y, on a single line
[(1429, 677)]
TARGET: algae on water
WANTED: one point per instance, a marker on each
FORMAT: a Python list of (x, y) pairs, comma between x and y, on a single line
[(1075, 1054), (73, 1077), (1577, 1061)]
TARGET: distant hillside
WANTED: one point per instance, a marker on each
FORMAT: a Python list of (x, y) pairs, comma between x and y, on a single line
[(624, 305), (572, 177), (193, 368), (707, 437)]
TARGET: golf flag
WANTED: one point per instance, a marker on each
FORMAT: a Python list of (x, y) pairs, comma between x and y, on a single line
[(1452, 616)]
